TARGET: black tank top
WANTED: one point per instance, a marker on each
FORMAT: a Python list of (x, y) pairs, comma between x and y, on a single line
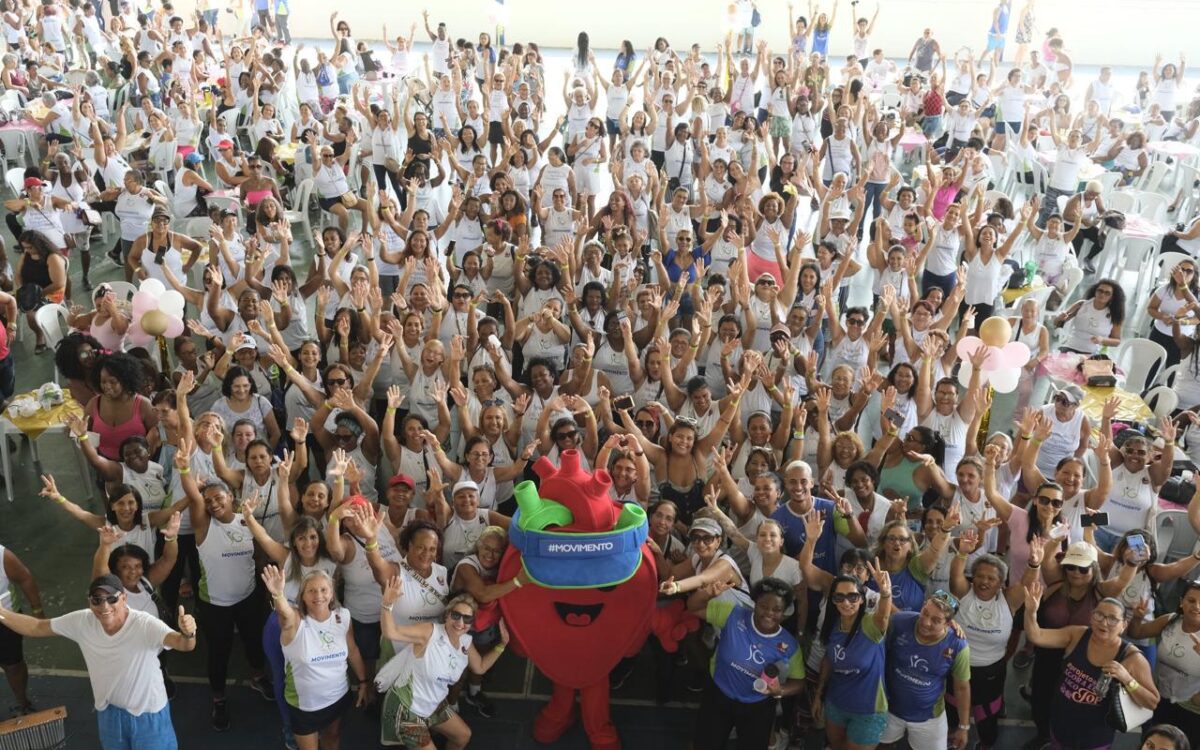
[(1078, 714)]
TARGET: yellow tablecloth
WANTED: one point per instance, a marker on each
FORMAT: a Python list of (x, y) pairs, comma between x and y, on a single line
[(1012, 295), (37, 109), (1131, 409), (44, 419), (286, 152)]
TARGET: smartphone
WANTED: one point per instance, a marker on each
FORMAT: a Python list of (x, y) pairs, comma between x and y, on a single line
[(1137, 543), (493, 342), (895, 417), (1095, 519), (623, 403)]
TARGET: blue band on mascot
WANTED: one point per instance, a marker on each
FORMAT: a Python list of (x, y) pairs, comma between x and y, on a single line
[(578, 560)]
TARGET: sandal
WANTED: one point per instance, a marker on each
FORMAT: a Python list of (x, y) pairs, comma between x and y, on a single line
[(39, 349)]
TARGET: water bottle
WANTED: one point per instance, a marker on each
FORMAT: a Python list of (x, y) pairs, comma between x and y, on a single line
[(1030, 272), (1103, 684), (768, 679)]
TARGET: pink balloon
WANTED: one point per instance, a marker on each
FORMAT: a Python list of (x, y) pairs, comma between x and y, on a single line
[(1016, 354), (968, 346), (995, 360), (143, 302), (137, 336), (174, 328)]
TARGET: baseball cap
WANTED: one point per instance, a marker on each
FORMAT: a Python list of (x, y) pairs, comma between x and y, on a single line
[(464, 484), (193, 158), (705, 526), (1081, 554), (1072, 393), (34, 182), (226, 143), (840, 213), (109, 583), (247, 344), (782, 329), (403, 479)]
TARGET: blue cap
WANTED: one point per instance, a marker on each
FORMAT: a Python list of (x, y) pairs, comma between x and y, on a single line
[(193, 158)]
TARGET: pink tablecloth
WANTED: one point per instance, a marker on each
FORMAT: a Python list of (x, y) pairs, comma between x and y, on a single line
[(1139, 227), (1175, 149), (26, 125), (1063, 366), (913, 139)]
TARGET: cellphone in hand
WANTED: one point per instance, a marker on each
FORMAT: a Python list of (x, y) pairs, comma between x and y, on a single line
[(1094, 519), (1137, 544), (623, 403), (895, 417)]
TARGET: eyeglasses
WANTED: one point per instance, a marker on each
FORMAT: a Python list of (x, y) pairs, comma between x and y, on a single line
[(479, 454), (1110, 620), (462, 617), (893, 539), (852, 597), (97, 601), (337, 381), (945, 599), (1076, 568), (1056, 502)]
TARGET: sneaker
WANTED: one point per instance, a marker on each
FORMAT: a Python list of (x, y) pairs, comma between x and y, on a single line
[(695, 683), (481, 703), (115, 256), (87, 284), (289, 741), (263, 687), (22, 710), (1023, 658), (220, 716)]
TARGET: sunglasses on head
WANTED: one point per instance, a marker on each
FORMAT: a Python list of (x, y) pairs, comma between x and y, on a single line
[(945, 599), (491, 402), (852, 597), (110, 599), (462, 617), (1056, 502), (1064, 400)]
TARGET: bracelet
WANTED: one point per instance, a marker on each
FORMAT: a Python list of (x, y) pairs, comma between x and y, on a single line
[(961, 555), (371, 547), (369, 259), (1171, 444), (1038, 441), (1132, 687), (188, 636), (882, 595), (60, 499), (1027, 437), (185, 470), (773, 389), (329, 405), (276, 597), (84, 438), (387, 607), (695, 347), (500, 649), (585, 360), (964, 727), (169, 539), (517, 581), (797, 435), (283, 303), (390, 410), (893, 432)]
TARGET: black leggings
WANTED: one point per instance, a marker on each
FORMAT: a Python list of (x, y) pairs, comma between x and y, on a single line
[(217, 623), (382, 174), (987, 701), (1047, 668), (187, 556)]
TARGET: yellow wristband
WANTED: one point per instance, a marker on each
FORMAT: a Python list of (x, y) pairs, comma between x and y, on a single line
[(185, 470), (500, 649), (371, 547), (169, 539), (60, 500), (84, 438)]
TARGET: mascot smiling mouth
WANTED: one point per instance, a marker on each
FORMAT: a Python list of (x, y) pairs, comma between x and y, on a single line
[(578, 615)]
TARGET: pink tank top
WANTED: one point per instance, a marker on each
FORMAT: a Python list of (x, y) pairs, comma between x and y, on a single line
[(254, 197), (111, 436), (757, 266)]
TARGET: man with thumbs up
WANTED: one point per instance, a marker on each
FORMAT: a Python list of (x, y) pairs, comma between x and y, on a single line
[(120, 647)]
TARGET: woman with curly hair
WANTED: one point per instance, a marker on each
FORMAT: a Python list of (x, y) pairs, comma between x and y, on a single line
[(75, 358), (118, 411), (1099, 315)]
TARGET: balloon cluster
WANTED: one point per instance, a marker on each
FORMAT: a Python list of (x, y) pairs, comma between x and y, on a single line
[(157, 311), (1002, 368)]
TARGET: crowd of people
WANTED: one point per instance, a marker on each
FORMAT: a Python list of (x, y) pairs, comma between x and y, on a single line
[(735, 278)]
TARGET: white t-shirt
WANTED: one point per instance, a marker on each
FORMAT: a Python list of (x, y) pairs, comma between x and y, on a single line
[(123, 668)]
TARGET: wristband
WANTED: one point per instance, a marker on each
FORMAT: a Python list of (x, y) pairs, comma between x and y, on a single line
[(1132, 687), (371, 547), (329, 405), (60, 500), (387, 607), (797, 435), (283, 303), (185, 470), (1027, 437), (278, 596), (169, 539), (390, 410), (1038, 441), (500, 649), (188, 636), (964, 727), (37, 611), (893, 432), (84, 438)]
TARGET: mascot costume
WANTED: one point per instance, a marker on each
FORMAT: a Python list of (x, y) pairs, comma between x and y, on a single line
[(594, 595)]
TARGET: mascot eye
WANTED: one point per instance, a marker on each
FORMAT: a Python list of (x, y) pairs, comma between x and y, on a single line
[(607, 589)]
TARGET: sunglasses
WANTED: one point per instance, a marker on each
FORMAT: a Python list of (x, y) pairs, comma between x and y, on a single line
[(462, 295), (856, 321), (1064, 400), (852, 597), (945, 599), (462, 617), (337, 381), (491, 402), (701, 538), (570, 435), (96, 601), (1076, 568), (1056, 502), (644, 424)]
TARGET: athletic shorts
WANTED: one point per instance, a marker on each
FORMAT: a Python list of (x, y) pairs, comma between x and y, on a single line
[(861, 729), (12, 647), (312, 722)]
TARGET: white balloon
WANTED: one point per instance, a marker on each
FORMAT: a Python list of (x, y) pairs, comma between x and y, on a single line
[(1005, 381), (964, 374), (172, 302), (154, 287)]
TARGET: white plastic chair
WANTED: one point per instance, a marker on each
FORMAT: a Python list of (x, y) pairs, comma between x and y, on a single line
[(15, 179), (1167, 375), (13, 144), (52, 319), (298, 213), (1136, 357), (1166, 263), (1153, 206), (122, 290), (1072, 278), (1153, 177), (1121, 200), (1109, 180), (1175, 536), (1162, 400), (889, 100)]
